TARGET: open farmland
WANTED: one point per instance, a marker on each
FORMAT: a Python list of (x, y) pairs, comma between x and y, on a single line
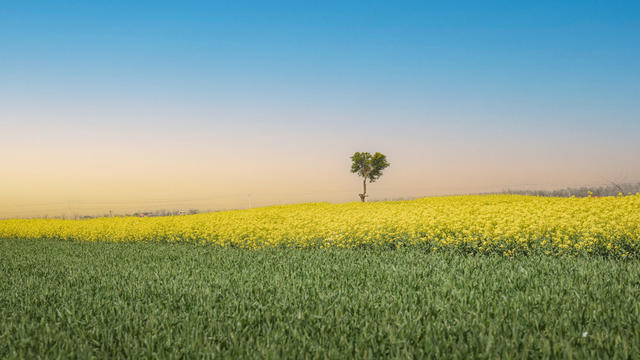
[(509, 225), (495, 276), (133, 300)]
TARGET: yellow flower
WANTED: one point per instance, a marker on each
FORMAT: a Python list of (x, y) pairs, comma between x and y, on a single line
[(504, 224)]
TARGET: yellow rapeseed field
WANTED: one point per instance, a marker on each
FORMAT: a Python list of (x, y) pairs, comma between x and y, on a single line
[(504, 224)]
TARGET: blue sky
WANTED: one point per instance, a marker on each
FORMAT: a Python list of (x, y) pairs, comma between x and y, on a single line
[(419, 80), (573, 56)]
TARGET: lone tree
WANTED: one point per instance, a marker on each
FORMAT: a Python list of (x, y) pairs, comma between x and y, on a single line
[(369, 167)]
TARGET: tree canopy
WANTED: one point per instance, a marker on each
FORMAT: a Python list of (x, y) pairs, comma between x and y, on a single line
[(368, 167)]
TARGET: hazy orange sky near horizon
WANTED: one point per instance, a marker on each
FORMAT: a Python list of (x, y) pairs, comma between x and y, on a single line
[(205, 105), (81, 170)]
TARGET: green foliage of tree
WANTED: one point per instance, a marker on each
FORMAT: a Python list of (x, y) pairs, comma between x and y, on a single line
[(369, 167)]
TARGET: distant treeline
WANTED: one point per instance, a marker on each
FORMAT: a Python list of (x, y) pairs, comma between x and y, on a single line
[(164, 212), (153, 213), (612, 189)]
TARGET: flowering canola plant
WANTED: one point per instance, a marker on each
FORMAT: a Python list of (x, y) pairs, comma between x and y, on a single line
[(509, 225)]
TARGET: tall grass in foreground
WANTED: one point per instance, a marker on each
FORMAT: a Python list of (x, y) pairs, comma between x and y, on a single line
[(141, 300)]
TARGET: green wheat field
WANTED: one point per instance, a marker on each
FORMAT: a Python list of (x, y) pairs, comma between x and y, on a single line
[(64, 299)]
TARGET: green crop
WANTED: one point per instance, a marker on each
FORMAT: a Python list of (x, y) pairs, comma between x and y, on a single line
[(61, 299)]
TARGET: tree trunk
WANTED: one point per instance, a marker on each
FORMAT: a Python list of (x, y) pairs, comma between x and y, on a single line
[(364, 190)]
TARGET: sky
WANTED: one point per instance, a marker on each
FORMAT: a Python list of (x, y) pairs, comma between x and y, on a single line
[(141, 105)]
